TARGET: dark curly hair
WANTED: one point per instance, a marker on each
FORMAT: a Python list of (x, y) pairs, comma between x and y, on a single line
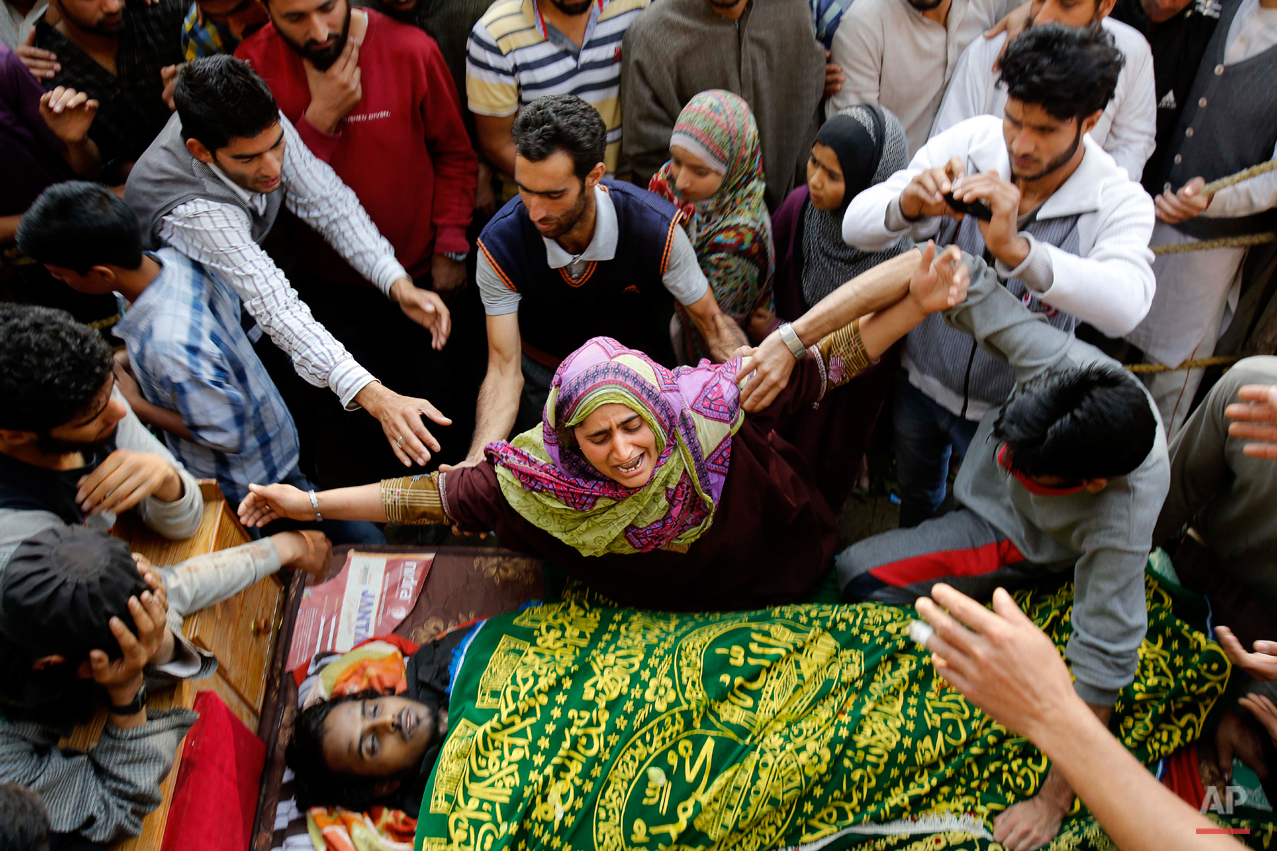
[(1087, 422), (52, 368), (316, 784), (1071, 71), (220, 98), (561, 123)]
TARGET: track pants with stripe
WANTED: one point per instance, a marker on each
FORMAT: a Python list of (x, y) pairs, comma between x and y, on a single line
[(959, 548)]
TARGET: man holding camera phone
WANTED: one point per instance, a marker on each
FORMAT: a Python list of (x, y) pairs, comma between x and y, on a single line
[(1031, 193)]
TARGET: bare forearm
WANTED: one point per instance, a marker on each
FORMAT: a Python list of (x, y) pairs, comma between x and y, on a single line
[(497, 409), (358, 503), (723, 336), (83, 157), (9, 228), (880, 287), (1109, 780), (499, 152), (161, 418), (882, 329)]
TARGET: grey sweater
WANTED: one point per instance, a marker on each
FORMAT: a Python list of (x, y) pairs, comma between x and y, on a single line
[(1104, 537)]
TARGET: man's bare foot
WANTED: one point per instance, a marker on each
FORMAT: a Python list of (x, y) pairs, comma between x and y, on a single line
[(1033, 823)]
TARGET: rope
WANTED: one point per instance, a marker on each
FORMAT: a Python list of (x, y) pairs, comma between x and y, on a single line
[(108, 322), (1245, 174), (1222, 242), (1227, 241), (1145, 368)]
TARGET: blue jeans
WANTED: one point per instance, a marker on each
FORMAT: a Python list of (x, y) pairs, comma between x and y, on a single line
[(338, 531), (927, 435)]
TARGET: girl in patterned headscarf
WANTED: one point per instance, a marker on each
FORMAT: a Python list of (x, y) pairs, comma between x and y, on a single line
[(715, 175)]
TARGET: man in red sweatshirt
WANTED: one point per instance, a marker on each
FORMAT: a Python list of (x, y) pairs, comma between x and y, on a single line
[(374, 99)]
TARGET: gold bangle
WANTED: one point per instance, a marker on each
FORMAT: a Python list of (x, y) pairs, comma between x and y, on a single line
[(413, 500), (844, 354)]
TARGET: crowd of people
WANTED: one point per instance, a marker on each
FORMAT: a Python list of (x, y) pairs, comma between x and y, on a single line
[(633, 285)]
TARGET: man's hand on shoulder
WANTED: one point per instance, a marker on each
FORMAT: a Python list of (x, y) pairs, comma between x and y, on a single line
[(43, 64), (400, 418), (126, 478), (770, 366)]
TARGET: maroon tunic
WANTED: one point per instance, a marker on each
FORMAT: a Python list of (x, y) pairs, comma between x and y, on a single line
[(772, 537)]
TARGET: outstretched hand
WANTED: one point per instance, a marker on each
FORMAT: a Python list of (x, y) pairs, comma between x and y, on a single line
[(998, 659), (425, 308), (267, 503), (940, 280), (1262, 664), (400, 418)]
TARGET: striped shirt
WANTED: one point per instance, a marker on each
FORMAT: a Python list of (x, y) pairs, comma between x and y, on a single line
[(219, 236), (192, 356), (515, 56)]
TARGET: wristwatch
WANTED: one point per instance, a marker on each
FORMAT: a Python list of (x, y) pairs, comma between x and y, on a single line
[(136, 706), (457, 256), (790, 336)]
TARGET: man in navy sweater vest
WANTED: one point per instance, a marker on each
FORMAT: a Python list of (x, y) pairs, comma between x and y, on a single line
[(576, 256)]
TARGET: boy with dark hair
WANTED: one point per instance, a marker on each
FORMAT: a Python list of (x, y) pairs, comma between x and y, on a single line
[(198, 378), (1061, 224), (71, 450), (207, 187), (1068, 475), (576, 256)]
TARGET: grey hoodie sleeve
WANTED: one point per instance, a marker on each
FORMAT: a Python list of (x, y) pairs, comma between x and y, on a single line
[(1005, 328), (175, 520), (1110, 617)]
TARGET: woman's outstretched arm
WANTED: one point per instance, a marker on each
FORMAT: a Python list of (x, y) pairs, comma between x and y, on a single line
[(267, 503), (884, 289)]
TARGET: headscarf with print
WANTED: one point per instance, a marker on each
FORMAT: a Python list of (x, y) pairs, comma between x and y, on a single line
[(692, 411), (731, 230), (870, 145)]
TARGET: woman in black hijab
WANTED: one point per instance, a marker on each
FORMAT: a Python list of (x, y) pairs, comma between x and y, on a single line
[(855, 149)]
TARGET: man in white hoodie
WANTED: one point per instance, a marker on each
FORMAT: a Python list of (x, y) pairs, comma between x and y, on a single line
[(1127, 129), (1067, 231)]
